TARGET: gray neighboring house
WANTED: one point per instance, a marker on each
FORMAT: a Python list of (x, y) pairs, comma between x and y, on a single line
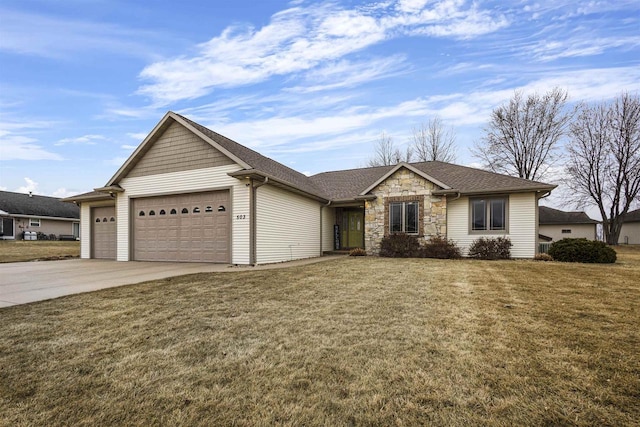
[(190, 194), (28, 212), (555, 225), (630, 231)]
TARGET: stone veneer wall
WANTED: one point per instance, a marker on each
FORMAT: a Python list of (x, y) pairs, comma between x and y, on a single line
[(404, 185)]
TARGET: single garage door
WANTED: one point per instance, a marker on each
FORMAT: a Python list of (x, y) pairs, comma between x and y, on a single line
[(187, 227), (103, 232)]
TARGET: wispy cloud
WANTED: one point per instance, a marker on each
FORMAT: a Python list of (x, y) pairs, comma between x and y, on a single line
[(82, 140), (300, 39), (53, 37), (573, 47), (16, 142)]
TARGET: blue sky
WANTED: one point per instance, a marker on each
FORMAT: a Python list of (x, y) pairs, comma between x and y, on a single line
[(309, 84)]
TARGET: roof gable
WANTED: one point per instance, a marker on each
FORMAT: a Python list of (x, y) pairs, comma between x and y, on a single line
[(397, 168), (32, 205), (158, 131)]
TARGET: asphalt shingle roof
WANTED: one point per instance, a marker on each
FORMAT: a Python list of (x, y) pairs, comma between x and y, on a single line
[(632, 216), (23, 204), (550, 216), (348, 184)]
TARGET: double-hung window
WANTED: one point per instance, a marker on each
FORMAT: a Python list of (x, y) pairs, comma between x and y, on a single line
[(34, 222), (403, 217), (489, 214)]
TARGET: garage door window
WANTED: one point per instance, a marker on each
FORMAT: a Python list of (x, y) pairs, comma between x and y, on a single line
[(141, 213), (173, 212), (185, 210), (162, 212), (152, 213), (196, 210)]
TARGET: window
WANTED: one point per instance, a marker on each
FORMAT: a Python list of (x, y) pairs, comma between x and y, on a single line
[(185, 210), (152, 213), (566, 231), (208, 209), (196, 210), (173, 212), (403, 217), (489, 214), (34, 222), (141, 213), (112, 219), (162, 212)]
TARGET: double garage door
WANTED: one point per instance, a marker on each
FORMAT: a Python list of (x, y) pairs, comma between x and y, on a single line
[(187, 227)]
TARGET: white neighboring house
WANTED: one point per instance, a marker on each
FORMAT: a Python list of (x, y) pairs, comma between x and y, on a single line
[(20, 213), (630, 231), (556, 225), (190, 194)]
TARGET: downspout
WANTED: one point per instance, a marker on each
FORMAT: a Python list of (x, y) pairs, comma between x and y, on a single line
[(537, 235), (252, 218), (321, 235)]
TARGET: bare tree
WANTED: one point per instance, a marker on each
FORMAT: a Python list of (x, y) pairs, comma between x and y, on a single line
[(386, 153), (434, 142), (522, 135), (604, 159)]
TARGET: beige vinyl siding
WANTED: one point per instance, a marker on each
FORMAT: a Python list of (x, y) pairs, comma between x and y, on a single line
[(631, 231), (208, 179), (578, 231), (178, 149), (328, 221), (287, 226), (53, 226), (521, 224)]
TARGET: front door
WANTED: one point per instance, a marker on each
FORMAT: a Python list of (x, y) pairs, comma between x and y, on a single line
[(354, 235)]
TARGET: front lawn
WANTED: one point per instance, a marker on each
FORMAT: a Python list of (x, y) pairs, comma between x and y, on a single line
[(31, 250), (353, 341)]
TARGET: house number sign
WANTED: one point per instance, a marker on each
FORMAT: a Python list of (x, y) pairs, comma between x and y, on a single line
[(241, 216)]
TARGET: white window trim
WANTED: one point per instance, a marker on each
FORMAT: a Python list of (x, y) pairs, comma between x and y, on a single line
[(33, 223)]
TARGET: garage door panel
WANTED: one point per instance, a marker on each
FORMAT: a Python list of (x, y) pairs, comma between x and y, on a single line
[(191, 228), (103, 232)]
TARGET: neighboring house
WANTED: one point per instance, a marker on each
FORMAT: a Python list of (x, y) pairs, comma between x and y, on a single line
[(27, 212), (630, 231), (556, 225), (189, 194)]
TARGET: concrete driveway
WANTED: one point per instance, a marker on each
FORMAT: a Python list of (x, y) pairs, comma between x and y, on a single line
[(24, 282)]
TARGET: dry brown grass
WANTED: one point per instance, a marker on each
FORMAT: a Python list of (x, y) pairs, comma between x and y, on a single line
[(355, 341), (26, 250)]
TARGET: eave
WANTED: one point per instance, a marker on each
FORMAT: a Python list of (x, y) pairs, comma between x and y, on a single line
[(258, 175)]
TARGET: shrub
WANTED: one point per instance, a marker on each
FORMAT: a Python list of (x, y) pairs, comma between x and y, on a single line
[(543, 257), (400, 245), (357, 252), (439, 247), (491, 248), (582, 250)]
